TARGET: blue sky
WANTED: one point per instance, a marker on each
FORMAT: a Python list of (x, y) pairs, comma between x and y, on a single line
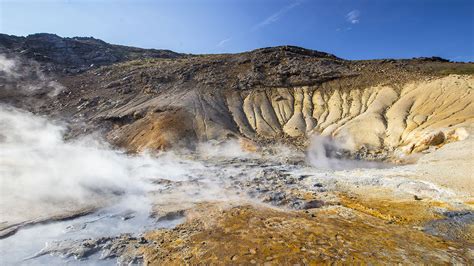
[(359, 29)]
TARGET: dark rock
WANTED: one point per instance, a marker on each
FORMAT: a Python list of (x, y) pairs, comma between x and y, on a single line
[(313, 204), (74, 55), (318, 185)]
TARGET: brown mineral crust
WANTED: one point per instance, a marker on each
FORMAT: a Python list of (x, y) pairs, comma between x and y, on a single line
[(249, 234)]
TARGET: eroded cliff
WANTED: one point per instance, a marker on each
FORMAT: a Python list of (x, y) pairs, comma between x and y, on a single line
[(375, 121)]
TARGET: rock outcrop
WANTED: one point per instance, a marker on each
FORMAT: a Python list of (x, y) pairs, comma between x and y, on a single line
[(73, 55), (411, 118)]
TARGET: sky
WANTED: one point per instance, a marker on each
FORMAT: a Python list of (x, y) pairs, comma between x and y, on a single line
[(358, 29)]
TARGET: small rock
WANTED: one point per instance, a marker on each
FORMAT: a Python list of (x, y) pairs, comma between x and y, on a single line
[(313, 204)]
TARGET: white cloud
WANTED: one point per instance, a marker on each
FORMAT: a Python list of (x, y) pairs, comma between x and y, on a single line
[(267, 21), (221, 43), (275, 16), (344, 29), (353, 16)]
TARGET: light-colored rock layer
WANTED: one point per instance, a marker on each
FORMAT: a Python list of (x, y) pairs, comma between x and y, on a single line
[(403, 119), (451, 166), (411, 118)]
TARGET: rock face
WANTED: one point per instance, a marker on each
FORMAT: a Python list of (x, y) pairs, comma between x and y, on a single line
[(272, 94), (413, 117), (76, 54)]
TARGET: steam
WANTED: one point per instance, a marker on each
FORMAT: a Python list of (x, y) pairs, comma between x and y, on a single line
[(38, 168), (42, 176), (325, 153), (228, 149), (7, 67), (24, 77)]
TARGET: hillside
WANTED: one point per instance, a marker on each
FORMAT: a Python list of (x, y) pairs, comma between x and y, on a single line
[(282, 155), (156, 99), (73, 55)]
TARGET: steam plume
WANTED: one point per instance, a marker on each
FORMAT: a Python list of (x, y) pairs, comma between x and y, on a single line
[(325, 153)]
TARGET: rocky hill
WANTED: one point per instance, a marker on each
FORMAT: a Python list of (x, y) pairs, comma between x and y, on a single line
[(155, 99), (73, 55)]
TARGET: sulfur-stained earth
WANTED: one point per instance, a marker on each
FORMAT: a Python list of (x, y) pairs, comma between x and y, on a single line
[(260, 235), (343, 221), (273, 211)]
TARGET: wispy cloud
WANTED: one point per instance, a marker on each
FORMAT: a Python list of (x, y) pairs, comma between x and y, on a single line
[(223, 42), (353, 16), (276, 16), (267, 21), (344, 29)]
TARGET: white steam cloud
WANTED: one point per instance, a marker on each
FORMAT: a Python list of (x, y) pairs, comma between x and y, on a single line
[(7, 67), (325, 153), (43, 177), (20, 76), (38, 169), (228, 149)]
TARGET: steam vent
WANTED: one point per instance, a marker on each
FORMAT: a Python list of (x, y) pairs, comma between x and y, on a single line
[(283, 155)]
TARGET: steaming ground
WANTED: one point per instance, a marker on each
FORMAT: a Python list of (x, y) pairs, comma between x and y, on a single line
[(44, 177), (113, 199), (40, 169)]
